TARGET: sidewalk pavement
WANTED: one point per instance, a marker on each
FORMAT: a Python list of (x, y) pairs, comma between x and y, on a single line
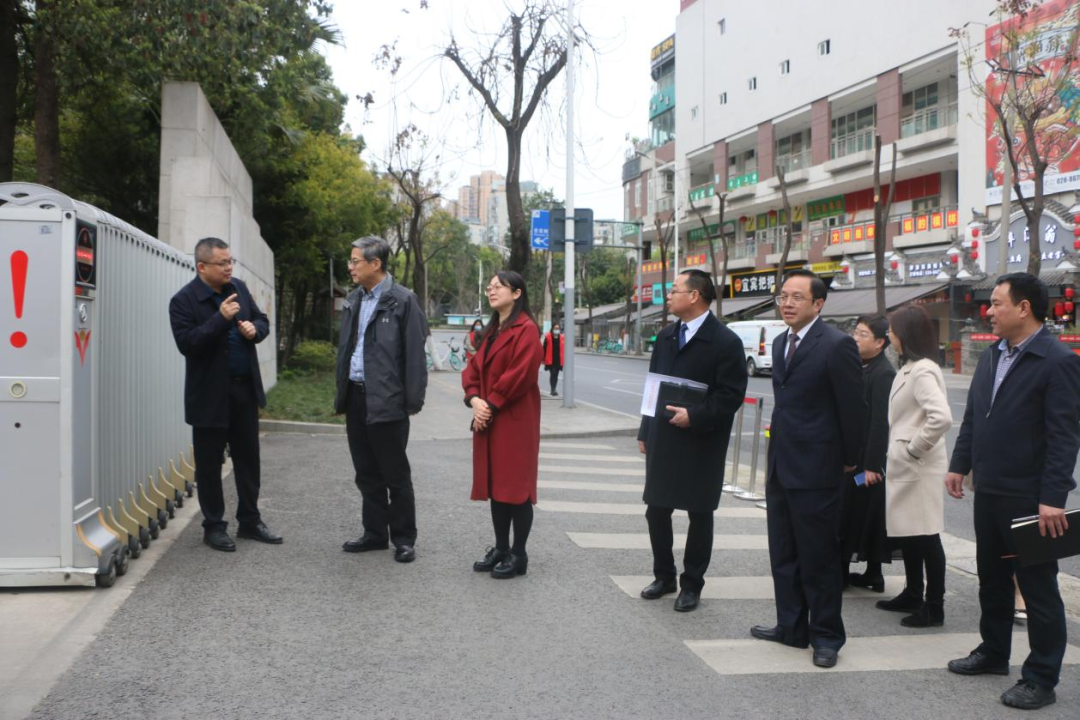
[(445, 417)]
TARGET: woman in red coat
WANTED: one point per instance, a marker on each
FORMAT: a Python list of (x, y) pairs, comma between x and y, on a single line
[(554, 355), (501, 388)]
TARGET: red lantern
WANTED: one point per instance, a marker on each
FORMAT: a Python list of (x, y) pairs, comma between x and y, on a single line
[(974, 232), (1076, 244), (1069, 306), (974, 244), (1076, 230), (974, 254), (1059, 309), (895, 264), (954, 259), (967, 297), (983, 309), (1070, 292)]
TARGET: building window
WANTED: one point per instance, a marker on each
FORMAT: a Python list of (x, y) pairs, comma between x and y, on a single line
[(722, 26), (785, 67), (926, 204), (793, 151), (662, 128), (723, 98), (923, 110), (853, 132), (824, 47), (752, 84)]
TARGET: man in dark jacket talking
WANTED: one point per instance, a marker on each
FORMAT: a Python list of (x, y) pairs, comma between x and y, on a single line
[(216, 325), (381, 381)]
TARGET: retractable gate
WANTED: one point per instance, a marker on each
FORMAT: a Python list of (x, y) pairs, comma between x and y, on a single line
[(91, 390)]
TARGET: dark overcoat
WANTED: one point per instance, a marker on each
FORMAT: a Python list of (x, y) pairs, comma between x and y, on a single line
[(503, 373), (685, 466), (878, 378), (201, 333)]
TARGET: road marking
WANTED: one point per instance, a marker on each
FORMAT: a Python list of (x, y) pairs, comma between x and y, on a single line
[(753, 588), (600, 508), (579, 470), (628, 392), (607, 409), (573, 446), (640, 541), (634, 458), (860, 654), (577, 485)]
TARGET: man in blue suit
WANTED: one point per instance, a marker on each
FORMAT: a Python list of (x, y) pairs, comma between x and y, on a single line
[(817, 430), (1019, 439)]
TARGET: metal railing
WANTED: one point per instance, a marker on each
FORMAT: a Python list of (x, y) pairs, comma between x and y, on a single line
[(748, 490), (927, 119), (853, 143), (797, 161)]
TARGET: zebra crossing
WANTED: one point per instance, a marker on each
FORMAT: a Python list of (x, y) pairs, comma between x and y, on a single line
[(594, 489)]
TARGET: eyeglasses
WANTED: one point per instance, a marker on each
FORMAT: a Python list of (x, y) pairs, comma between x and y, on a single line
[(782, 300), (676, 292), (862, 334), (353, 262), (222, 263), (495, 288)]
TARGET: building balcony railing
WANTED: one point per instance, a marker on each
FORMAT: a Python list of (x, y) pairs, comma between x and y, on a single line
[(928, 119), (928, 220), (665, 203), (738, 181), (702, 192), (798, 161), (856, 142)]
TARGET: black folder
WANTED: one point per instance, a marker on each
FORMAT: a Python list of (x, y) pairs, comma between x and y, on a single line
[(679, 395), (1032, 548)]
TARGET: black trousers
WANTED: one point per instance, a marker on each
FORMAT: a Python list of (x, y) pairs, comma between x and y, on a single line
[(698, 551), (242, 437), (383, 474), (920, 551), (804, 552), (1038, 584), (554, 372)]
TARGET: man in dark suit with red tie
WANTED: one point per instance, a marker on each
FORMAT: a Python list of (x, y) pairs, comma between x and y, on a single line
[(816, 435)]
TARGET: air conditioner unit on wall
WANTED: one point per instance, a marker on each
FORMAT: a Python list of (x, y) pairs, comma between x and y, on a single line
[(669, 182)]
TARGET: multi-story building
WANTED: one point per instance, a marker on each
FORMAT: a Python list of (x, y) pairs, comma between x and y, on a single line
[(802, 92), (482, 206)]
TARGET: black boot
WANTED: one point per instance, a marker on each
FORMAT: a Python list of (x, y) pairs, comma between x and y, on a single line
[(906, 601), (929, 615)]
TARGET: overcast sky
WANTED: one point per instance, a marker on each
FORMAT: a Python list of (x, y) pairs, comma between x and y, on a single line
[(611, 100)]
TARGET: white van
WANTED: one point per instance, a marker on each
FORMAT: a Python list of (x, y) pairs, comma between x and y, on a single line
[(757, 337)]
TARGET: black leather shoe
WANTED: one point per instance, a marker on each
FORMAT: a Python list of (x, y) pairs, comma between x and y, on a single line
[(1026, 695), (929, 615), (876, 583), (763, 632), (904, 602), (492, 558), (825, 657), (511, 566), (219, 540), (688, 600), (364, 543), (978, 664), (658, 589), (404, 553), (259, 532)]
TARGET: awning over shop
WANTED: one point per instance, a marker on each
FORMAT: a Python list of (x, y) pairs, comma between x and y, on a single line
[(582, 314), (734, 306), (1052, 278), (853, 303)]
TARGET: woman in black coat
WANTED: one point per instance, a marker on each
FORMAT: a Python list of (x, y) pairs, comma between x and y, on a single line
[(862, 511)]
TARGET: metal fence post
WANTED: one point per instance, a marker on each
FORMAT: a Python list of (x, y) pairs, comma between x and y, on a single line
[(733, 485), (749, 493)]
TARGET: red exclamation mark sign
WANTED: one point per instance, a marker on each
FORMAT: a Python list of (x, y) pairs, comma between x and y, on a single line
[(20, 261)]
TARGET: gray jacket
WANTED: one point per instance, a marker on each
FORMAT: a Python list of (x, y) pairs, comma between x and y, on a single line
[(395, 363)]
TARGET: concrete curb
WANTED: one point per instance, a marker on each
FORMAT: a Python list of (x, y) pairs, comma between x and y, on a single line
[(644, 356), (302, 428)]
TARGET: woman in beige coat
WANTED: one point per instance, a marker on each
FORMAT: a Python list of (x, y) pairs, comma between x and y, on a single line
[(919, 417)]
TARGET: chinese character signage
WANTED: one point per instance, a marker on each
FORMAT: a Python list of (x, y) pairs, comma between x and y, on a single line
[(826, 207), (751, 284), (1052, 237)]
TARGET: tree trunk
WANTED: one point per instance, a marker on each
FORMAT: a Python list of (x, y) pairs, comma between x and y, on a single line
[(46, 106), (420, 262), (879, 232), (1033, 210), (9, 82), (520, 253), (787, 240), (299, 299)]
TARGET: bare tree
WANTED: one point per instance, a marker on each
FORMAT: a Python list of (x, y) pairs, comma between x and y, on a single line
[(719, 274), (511, 72), (665, 233), (788, 235), (1031, 72), (882, 208)]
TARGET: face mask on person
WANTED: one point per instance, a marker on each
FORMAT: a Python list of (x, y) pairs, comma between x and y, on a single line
[(556, 332)]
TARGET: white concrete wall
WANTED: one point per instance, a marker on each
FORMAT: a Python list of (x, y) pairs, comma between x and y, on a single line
[(206, 191)]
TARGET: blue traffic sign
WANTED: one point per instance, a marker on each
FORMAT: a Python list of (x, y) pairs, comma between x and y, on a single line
[(541, 230)]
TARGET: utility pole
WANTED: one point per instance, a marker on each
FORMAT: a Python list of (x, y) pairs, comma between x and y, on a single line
[(1006, 204), (640, 259), (568, 281)]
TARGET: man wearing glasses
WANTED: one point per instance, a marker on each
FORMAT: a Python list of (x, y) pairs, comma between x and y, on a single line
[(816, 435), (381, 381), (216, 325)]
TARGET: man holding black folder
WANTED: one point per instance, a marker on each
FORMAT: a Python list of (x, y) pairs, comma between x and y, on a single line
[(685, 443), (1019, 439)]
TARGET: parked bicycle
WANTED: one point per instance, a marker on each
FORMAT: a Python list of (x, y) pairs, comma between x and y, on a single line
[(454, 356), (608, 345)]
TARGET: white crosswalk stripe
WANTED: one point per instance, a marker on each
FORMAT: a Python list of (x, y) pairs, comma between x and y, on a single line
[(582, 503)]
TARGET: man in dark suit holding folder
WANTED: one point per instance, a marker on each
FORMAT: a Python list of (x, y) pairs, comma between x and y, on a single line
[(816, 435), (1019, 439), (685, 444)]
